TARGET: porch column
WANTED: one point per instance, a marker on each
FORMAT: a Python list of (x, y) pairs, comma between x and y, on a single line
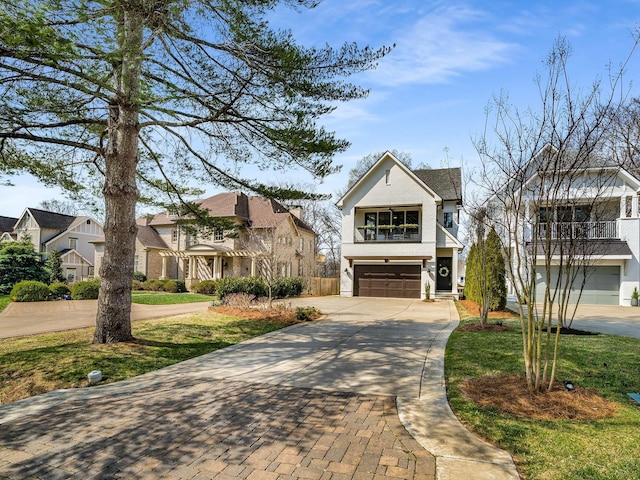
[(192, 268), (623, 206), (164, 268), (454, 272), (253, 266), (217, 267), (634, 206)]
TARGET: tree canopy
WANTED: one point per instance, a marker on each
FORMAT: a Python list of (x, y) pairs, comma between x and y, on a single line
[(19, 261), (132, 98)]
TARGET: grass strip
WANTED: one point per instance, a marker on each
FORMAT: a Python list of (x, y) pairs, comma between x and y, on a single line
[(4, 301), (554, 449), (163, 298), (41, 363)]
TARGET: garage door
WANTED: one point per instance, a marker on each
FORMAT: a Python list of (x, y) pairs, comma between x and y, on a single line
[(602, 286), (402, 281)]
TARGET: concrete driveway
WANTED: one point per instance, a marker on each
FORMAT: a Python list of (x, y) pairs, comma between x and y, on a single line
[(31, 318), (359, 394)]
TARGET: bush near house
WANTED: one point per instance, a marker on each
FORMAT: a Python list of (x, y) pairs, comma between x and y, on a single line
[(206, 287), (87, 290), (59, 290), (29, 291), (287, 287), (139, 276)]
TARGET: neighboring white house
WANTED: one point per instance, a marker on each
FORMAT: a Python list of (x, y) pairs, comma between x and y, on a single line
[(69, 235), (6, 229), (164, 249), (599, 215), (399, 231)]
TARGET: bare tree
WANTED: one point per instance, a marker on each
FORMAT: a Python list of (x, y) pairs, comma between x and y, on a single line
[(545, 178)]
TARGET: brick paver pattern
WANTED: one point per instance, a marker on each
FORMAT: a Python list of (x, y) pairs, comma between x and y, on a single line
[(203, 429)]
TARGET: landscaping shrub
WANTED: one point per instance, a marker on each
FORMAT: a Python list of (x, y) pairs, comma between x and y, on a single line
[(139, 276), (29, 291), (137, 285), (154, 285), (307, 313), (87, 290), (287, 287), (239, 300), (251, 285), (182, 287), (206, 287), (170, 286), (59, 290)]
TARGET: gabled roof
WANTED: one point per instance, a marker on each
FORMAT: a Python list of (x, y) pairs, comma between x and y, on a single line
[(260, 212), (149, 237), (50, 220), (446, 182), (442, 183), (7, 224), (267, 213), (76, 221)]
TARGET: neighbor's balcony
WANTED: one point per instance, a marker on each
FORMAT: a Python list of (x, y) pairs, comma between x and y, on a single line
[(388, 234), (587, 230)]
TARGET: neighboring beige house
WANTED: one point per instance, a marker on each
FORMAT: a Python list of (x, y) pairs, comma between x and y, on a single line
[(399, 232), (69, 235), (266, 230)]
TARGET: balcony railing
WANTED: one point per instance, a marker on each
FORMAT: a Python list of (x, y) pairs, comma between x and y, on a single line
[(587, 230), (387, 235)]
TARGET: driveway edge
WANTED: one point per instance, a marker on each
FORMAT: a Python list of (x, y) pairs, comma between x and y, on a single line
[(430, 420)]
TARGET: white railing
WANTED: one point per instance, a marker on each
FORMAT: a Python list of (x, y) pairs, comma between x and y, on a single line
[(587, 230)]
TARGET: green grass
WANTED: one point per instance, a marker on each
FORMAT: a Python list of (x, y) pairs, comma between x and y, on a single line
[(4, 301), (163, 298), (41, 363), (560, 449)]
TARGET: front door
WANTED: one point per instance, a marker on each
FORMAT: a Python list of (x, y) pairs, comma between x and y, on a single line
[(443, 274)]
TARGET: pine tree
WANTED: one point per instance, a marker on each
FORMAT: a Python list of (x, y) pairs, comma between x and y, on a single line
[(19, 261), (53, 266)]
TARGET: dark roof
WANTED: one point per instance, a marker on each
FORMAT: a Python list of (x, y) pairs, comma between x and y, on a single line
[(7, 224), (446, 182), (51, 220)]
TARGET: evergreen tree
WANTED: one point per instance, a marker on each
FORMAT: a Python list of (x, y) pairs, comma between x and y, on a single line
[(53, 265), (19, 261), (150, 98), (496, 272)]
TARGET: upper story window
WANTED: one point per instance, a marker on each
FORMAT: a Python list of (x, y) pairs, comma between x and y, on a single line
[(218, 236), (394, 225), (448, 219), (73, 243), (301, 244), (174, 235)]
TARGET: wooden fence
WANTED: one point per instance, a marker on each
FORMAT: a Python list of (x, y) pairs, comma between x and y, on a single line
[(324, 286)]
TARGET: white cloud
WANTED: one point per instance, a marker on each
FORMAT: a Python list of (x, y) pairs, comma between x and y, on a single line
[(441, 45)]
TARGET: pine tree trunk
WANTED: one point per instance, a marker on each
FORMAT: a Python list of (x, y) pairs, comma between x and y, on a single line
[(113, 320)]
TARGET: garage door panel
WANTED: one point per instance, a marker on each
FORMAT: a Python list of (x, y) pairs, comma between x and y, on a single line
[(601, 286), (400, 281)]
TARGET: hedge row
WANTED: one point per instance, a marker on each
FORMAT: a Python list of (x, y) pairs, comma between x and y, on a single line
[(170, 286), (34, 291), (256, 286)]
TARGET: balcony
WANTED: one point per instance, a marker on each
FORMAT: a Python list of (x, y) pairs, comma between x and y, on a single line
[(586, 230), (388, 234)]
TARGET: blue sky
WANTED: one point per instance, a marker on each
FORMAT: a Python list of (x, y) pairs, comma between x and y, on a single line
[(429, 94)]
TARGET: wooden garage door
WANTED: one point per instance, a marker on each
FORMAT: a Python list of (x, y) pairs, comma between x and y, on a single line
[(602, 286), (401, 281)]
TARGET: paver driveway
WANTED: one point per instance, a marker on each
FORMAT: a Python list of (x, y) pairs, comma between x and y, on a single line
[(312, 401)]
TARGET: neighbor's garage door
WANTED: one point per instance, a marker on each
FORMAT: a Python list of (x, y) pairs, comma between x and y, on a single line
[(602, 286), (401, 281)]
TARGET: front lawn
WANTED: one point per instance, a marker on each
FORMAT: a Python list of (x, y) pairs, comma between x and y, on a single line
[(4, 301), (163, 298), (559, 448), (42, 363)]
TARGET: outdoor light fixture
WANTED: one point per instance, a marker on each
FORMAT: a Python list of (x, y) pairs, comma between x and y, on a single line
[(568, 384)]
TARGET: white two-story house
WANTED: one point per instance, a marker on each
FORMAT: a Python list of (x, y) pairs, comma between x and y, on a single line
[(399, 231), (587, 223)]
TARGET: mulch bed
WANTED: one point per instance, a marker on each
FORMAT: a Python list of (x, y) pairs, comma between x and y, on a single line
[(277, 315), (473, 309), (510, 394)]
